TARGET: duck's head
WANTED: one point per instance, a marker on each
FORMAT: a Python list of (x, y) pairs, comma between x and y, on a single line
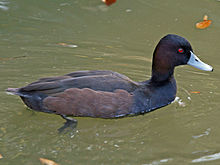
[(171, 51)]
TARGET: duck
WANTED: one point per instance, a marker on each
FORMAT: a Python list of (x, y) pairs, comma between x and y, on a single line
[(107, 94)]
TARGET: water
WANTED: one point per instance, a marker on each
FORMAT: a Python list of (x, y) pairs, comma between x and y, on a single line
[(35, 41)]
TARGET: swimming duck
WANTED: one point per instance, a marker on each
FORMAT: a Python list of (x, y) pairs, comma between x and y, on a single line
[(108, 94)]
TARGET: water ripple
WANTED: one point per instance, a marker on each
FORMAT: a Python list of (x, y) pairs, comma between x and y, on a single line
[(160, 161), (206, 133), (3, 5), (207, 158)]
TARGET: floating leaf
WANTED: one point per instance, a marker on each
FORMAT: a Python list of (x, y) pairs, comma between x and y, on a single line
[(205, 18), (67, 45), (195, 92), (1, 156), (3, 129), (109, 2), (62, 44), (47, 162), (204, 24)]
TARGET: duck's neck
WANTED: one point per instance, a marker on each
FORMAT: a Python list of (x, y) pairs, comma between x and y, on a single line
[(160, 76), (162, 66)]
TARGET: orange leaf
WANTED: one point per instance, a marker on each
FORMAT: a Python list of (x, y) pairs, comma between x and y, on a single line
[(204, 24), (1, 156), (195, 92), (47, 162), (109, 2)]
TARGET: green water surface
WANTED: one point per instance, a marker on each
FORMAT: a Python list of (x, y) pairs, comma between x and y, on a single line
[(40, 38)]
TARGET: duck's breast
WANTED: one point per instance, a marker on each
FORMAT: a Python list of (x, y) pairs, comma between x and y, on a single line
[(153, 96)]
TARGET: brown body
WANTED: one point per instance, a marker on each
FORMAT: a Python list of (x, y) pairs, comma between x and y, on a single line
[(87, 102)]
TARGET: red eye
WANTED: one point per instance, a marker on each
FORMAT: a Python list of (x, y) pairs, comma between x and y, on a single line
[(180, 50)]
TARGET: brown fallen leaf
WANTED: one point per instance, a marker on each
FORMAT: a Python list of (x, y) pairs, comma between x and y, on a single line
[(109, 2), (195, 92), (47, 162), (1, 156), (10, 58), (204, 24)]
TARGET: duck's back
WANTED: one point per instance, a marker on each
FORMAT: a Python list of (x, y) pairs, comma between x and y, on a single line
[(95, 80)]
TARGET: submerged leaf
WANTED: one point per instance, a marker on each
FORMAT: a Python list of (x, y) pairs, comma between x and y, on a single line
[(204, 24), (109, 2), (47, 162)]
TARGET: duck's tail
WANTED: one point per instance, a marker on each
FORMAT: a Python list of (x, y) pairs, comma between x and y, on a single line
[(12, 91), (31, 99), (16, 91)]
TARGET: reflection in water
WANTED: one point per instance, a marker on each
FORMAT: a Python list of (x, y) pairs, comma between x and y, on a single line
[(207, 158)]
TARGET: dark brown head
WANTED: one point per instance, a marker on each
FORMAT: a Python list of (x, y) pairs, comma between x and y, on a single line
[(171, 51)]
